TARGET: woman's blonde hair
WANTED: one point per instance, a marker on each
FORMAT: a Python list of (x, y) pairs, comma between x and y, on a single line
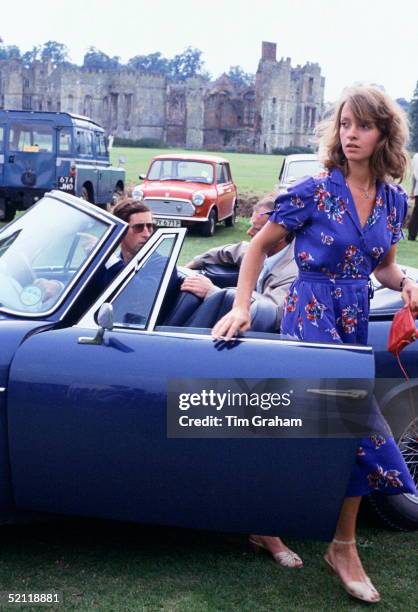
[(390, 159)]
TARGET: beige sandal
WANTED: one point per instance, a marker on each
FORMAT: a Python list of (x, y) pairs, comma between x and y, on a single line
[(285, 558), (364, 591)]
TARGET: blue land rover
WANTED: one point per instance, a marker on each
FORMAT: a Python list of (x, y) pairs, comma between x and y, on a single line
[(40, 151)]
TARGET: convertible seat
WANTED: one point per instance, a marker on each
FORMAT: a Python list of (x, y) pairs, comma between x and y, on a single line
[(263, 312), (183, 308)]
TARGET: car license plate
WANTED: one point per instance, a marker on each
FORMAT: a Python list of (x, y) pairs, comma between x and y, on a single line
[(168, 222)]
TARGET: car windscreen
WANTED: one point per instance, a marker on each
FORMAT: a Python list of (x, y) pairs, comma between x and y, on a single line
[(180, 170), (299, 169), (43, 252), (31, 137)]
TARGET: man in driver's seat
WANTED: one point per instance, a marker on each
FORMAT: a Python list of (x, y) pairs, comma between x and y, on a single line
[(276, 276), (141, 227)]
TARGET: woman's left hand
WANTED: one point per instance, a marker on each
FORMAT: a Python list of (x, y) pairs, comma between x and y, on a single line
[(410, 295)]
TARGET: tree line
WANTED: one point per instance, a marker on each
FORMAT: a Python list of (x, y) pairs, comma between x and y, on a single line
[(182, 66)]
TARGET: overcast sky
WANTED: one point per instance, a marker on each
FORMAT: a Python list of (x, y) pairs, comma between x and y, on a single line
[(352, 40)]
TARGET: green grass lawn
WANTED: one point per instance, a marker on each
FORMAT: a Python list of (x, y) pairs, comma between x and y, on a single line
[(106, 566)]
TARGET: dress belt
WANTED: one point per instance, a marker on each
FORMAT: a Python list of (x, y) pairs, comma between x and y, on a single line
[(319, 277)]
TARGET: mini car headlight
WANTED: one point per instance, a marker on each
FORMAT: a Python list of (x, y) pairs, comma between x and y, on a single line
[(137, 194), (198, 198)]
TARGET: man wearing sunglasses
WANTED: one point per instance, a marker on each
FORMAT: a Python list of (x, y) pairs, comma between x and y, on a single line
[(141, 227)]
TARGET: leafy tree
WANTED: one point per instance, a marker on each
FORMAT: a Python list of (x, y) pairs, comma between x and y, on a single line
[(31, 56), (239, 77), (413, 120), (154, 63), (55, 51), (94, 58), (187, 64), (9, 52)]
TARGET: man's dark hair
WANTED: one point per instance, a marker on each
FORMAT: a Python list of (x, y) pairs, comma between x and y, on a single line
[(127, 207), (269, 203)]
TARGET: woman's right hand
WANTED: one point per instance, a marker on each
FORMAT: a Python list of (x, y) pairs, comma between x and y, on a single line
[(236, 321)]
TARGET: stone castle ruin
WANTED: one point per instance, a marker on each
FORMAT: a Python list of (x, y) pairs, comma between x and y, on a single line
[(280, 110)]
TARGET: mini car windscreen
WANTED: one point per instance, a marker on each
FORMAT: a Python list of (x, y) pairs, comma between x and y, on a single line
[(180, 170), (43, 252)]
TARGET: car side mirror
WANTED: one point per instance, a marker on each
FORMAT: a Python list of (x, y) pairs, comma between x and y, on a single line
[(105, 321), (142, 176)]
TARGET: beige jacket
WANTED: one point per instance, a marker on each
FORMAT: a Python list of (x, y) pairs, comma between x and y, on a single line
[(275, 284)]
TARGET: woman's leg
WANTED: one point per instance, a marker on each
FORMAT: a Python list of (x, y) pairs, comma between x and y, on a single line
[(342, 555)]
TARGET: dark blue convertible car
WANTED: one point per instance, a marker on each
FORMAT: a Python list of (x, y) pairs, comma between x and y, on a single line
[(84, 380)]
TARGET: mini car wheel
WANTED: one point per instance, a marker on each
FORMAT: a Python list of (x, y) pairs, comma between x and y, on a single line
[(208, 228), (230, 221), (400, 512)]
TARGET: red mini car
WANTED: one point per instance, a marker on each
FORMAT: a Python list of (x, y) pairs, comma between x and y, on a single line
[(188, 189)]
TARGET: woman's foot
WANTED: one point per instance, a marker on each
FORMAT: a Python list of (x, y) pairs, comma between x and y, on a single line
[(342, 558), (278, 550)]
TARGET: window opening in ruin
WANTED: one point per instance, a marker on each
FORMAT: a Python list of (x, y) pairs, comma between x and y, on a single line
[(27, 102), (310, 86), (127, 111), (49, 105), (273, 127), (70, 103), (1, 101), (88, 106), (274, 100), (26, 83)]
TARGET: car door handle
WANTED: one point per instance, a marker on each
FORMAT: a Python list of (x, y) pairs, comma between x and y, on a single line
[(348, 393), (11, 159)]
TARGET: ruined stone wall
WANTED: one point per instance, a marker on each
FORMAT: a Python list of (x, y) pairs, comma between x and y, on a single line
[(281, 110)]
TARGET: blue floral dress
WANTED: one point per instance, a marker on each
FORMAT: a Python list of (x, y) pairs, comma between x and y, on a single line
[(329, 301)]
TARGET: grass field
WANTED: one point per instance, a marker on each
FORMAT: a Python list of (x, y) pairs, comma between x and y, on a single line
[(253, 174)]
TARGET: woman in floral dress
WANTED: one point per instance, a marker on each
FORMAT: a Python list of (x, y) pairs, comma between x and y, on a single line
[(347, 223)]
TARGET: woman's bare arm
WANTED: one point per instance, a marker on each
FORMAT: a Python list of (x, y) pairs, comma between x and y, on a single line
[(390, 275), (238, 319)]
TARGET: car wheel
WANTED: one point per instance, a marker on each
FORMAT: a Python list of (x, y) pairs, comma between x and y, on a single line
[(230, 221), (400, 512), (208, 228), (9, 214)]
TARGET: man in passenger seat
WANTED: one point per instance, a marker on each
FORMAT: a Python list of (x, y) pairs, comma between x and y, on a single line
[(276, 276)]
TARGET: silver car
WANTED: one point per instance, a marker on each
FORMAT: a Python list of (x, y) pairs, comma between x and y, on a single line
[(296, 167)]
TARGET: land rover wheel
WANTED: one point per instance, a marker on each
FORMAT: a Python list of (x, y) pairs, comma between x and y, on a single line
[(400, 512), (7, 213), (208, 228), (84, 194)]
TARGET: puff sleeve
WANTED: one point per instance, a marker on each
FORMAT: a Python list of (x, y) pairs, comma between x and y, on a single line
[(295, 208), (397, 213)]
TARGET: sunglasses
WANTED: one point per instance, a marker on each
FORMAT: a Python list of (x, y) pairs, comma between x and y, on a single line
[(138, 228)]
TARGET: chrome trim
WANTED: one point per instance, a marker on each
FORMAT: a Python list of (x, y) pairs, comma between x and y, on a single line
[(168, 199), (88, 320), (180, 218), (166, 279), (2, 389), (97, 213), (192, 336)]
